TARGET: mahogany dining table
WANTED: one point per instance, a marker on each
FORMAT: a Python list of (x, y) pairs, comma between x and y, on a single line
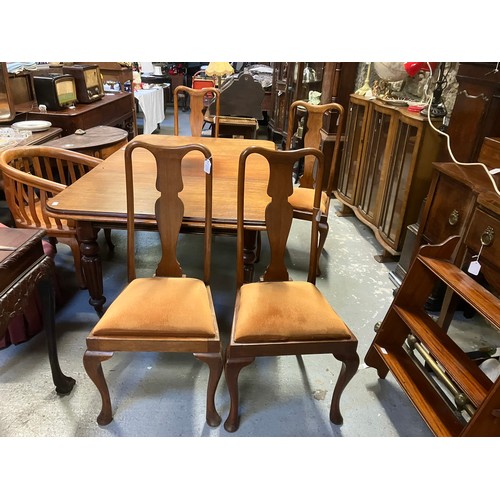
[(98, 199)]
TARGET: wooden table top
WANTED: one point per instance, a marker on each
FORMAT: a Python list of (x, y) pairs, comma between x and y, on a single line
[(100, 195), (102, 135)]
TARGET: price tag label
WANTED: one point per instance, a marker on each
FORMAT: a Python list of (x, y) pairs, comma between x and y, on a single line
[(207, 165), (474, 267)]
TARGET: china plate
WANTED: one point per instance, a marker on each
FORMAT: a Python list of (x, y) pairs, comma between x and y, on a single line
[(393, 102), (33, 125)]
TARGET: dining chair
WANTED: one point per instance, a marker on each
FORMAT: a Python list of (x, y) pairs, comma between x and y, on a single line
[(278, 316), (167, 312), (35, 174), (197, 106), (302, 198), (201, 81)]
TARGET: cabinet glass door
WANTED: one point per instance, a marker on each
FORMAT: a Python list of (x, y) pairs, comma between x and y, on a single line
[(373, 160), (351, 155), (399, 180), (311, 79)]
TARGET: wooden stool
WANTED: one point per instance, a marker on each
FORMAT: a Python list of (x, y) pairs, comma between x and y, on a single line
[(100, 141), (236, 127)]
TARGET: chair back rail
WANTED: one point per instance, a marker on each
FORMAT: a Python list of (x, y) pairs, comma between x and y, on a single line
[(279, 212), (197, 104), (169, 209), (312, 139)]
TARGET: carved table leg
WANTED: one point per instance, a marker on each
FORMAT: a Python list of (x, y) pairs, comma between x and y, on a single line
[(91, 264)]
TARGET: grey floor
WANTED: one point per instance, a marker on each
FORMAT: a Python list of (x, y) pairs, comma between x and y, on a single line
[(163, 395)]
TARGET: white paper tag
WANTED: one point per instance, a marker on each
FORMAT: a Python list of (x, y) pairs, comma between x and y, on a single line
[(207, 165), (474, 267)]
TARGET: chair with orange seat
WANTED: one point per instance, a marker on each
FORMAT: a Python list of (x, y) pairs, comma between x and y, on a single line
[(277, 316), (167, 312), (302, 198)]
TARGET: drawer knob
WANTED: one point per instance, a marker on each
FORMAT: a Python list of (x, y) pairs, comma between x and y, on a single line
[(453, 218), (488, 236)]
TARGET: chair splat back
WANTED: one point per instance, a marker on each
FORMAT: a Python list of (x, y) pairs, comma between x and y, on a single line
[(169, 208), (279, 212), (198, 105), (313, 139)]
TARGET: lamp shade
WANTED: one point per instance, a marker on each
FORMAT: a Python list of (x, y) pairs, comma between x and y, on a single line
[(219, 69)]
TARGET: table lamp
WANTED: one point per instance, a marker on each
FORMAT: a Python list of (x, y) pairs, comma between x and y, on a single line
[(219, 69), (366, 86)]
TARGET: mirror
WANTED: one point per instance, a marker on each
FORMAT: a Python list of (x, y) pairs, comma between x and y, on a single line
[(7, 111)]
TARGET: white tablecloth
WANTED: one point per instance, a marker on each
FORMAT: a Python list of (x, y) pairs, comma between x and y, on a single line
[(152, 106)]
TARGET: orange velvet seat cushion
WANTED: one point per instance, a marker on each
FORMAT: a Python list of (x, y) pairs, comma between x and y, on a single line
[(281, 311), (302, 199), (169, 307)]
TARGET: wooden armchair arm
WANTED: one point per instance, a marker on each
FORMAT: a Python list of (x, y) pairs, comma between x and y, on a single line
[(11, 174), (33, 175), (49, 152)]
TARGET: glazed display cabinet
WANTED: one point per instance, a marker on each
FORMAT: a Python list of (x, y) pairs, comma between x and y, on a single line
[(293, 81), (386, 169)]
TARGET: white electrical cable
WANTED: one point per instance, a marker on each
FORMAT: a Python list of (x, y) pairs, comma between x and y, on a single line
[(492, 179)]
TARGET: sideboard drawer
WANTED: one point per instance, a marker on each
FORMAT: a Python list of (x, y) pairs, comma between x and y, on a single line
[(449, 211)]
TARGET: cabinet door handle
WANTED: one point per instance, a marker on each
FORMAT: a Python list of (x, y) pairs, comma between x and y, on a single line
[(454, 218), (469, 96), (488, 236)]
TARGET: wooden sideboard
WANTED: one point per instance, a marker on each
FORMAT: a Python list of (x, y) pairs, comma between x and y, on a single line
[(114, 110), (386, 169), (462, 202)]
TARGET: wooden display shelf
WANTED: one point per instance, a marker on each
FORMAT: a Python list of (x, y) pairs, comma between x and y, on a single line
[(451, 393)]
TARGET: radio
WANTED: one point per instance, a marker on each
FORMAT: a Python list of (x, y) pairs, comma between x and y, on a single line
[(88, 80), (55, 91)]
